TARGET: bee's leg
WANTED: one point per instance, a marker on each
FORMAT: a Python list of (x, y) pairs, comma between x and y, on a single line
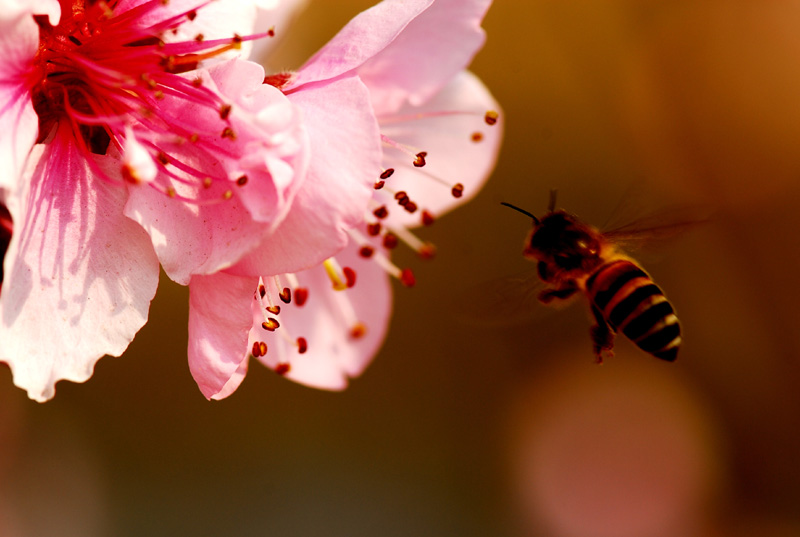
[(602, 336), (561, 293)]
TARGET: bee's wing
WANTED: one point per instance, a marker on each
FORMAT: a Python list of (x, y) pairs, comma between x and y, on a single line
[(653, 230), (507, 300)]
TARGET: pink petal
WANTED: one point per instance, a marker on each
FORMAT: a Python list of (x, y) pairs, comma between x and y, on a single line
[(12, 10), (271, 140), (430, 51), (453, 156), (79, 276), (326, 322), (404, 51), (345, 157), (363, 37), (219, 320), (19, 40), (270, 150)]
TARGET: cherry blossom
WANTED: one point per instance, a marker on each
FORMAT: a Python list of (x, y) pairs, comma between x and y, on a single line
[(132, 133), (437, 126)]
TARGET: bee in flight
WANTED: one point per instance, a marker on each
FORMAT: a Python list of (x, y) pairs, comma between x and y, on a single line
[(573, 257)]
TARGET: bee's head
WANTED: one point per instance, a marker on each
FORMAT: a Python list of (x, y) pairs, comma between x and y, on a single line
[(560, 240)]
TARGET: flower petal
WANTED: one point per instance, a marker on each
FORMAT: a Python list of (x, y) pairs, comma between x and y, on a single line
[(443, 127), (327, 322), (363, 37), (19, 39), (227, 218), (79, 276), (426, 55), (219, 320), (11, 10), (345, 159), (405, 51)]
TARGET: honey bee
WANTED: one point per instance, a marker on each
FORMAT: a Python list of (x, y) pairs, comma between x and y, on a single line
[(573, 257)]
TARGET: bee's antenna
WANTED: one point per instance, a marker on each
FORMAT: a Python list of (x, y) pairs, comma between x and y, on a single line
[(523, 211), (552, 205)]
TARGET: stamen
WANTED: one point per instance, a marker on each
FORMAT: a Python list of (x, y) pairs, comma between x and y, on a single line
[(300, 295), (334, 272), (405, 276), (381, 212), (348, 313), (270, 324), (426, 250), (259, 349)]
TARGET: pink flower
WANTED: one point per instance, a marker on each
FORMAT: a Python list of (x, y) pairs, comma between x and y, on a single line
[(130, 134), (437, 151)]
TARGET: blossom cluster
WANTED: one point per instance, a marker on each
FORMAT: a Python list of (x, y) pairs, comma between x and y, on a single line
[(136, 134)]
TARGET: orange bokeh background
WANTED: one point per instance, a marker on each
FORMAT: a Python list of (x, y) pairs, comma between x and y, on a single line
[(465, 424)]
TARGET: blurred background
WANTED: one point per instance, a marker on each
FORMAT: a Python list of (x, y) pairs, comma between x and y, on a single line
[(473, 427)]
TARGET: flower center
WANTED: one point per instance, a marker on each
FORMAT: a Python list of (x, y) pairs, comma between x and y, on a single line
[(102, 68)]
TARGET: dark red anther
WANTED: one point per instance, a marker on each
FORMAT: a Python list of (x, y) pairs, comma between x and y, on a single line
[(227, 132), (491, 117), (275, 310), (410, 207), (271, 32), (259, 349), (390, 241), (366, 252), (283, 368), (300, 295), (262, 290), (407, 278), (349, 276), (271, 324), (302, 345), (458, 190), (387, 173), (381, 212), (379, 185), (358, 331), (476, 136), (163, 158), (419, 161), (427, 218), (427, 251), (374, 229), (225, 111), (285, 295), (241, 181), (191, 15), (402, 198)]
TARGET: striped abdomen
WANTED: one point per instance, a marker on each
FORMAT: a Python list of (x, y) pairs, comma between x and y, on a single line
[(631, 303)]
